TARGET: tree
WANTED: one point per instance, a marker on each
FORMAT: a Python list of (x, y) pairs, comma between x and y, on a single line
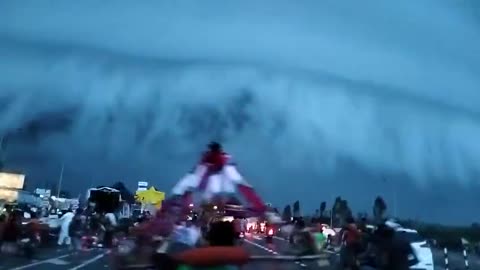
[(323, 206), (296, 209), (341, 211), (379, 209), (287, 213), (346, 212)]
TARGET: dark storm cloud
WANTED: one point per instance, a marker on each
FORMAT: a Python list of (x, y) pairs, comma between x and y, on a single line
[(123, 91)]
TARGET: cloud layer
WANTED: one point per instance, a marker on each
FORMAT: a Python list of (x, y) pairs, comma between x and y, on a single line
[(391, 88)]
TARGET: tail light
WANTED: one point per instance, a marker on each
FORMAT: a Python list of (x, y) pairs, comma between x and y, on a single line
[(270, 232)]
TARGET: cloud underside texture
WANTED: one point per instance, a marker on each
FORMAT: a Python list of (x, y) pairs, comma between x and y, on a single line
[(293, 91)]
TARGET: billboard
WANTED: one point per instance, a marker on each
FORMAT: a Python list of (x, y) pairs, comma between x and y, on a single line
[(11, 180), (8, 195)]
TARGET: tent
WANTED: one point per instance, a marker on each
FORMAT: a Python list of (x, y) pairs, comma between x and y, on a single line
[(124, 192), (150, 196), (106, 199)]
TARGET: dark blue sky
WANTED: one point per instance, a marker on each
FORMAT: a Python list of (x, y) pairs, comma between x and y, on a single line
[(334, 97)]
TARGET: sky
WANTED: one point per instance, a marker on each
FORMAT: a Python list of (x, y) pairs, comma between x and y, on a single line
[(314, 99)]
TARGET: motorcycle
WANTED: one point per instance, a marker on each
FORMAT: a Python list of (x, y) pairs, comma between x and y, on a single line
[(269, 236), (27, 245)]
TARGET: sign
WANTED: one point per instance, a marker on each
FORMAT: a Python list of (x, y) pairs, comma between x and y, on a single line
[(12, 180), (43, 193), (8, 195), (142, 184)]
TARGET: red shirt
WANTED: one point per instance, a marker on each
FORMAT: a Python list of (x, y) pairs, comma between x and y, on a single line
[(215, 160)]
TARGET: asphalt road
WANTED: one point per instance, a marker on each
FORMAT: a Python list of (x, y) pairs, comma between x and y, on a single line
[(63, 259), (456, 260)]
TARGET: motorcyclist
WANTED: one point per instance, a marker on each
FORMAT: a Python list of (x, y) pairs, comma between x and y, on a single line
[(394, 251), (387, 251)]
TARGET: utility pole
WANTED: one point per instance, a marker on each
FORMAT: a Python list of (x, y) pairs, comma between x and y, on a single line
[(394, 191), (60, 180)]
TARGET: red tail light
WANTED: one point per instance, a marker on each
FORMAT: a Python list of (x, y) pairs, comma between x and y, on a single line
[(270, 232)]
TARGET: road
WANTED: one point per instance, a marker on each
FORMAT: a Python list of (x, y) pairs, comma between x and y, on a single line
[(456, 261), (63, 259)]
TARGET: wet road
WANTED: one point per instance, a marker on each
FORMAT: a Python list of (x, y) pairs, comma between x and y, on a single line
[(63, 259)]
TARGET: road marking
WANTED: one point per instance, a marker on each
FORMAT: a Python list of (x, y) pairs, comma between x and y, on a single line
[(92, 260), (280, 238), (256, 237), (58, 262), (40, 262), (270, 250), (301, 264), (259, 246)]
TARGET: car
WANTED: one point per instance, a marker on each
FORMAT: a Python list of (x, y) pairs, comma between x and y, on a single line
[(420, 246)]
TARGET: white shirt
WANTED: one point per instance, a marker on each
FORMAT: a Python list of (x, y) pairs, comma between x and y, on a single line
[(111, 218)]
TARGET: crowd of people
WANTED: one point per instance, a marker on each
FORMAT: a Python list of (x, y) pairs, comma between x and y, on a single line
[(360, 247), (376, 248)]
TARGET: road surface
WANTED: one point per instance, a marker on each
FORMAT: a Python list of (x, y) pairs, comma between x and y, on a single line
[(63, 259)]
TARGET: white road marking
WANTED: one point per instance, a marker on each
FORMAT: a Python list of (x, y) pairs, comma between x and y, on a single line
[(92, 260), (40, 262), (270, 250), (58, 262), (280, 238)]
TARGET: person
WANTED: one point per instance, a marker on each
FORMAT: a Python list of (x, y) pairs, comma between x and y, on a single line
[(65, 221), (11, 233), (77, 229), (393, 252), (3, 221), (350, 237), (320, 239), (110, 222), (237, 224)]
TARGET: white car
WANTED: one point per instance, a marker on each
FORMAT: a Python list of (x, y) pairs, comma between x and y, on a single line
[(420, 247)]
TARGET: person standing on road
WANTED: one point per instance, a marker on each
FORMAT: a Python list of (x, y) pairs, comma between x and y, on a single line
[(65, 221), (77, 229), (11, 233), (110, 223), (350, 241)]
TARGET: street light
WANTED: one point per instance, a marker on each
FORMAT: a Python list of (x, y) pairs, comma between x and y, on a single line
[(215, 207)]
